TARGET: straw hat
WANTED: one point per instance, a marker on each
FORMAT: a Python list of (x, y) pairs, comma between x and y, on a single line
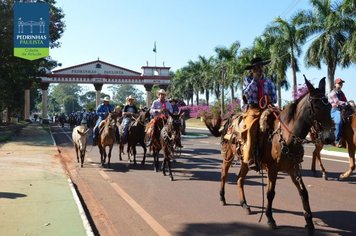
[(106, 99), (130, 98), (161, 91)]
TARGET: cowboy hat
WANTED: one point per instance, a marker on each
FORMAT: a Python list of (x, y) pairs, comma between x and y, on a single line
[(130, 98), (106, 99), (256, 62), (161, 91), (339, 80)]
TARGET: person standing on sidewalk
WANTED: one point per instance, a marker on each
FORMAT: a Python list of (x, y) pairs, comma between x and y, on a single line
[(102, 111)]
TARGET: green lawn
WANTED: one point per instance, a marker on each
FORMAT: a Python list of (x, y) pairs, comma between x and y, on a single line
[(193, 122), (335, 149)]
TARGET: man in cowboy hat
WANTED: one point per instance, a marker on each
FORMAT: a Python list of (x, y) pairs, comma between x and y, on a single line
[(159, 108), (337, 100), (129, 111), (257, 91), (102, 111), (161, 105)]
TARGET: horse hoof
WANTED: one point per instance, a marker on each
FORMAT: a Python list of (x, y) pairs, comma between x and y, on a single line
[(325, 177), (223, 202), (172, 178), (272, 224), (247, 209)]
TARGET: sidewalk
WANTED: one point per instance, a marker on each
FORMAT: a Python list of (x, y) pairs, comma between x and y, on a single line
[(35, 195)]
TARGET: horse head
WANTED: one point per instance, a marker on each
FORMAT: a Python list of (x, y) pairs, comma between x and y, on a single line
[(319, 110), (346, 112), (111, 120), (175, 121)]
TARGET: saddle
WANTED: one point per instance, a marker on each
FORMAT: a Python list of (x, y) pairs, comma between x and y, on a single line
[(238, 127)]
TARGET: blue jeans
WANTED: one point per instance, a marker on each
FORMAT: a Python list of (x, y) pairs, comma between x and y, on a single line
[(125, 124), (336, 116), (95, 129)]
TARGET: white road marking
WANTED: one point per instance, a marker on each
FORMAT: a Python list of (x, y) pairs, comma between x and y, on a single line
[(136, 207)]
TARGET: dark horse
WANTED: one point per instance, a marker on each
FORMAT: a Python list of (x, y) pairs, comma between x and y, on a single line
[(136, 134), (107, 137), (281, 147), (348, 134)]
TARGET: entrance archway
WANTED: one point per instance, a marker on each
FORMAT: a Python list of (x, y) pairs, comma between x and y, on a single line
[(99, 73)]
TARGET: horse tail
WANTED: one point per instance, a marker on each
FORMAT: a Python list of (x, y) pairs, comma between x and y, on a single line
[(214, 125)]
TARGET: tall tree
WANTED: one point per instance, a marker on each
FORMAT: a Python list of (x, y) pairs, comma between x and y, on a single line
[(330, 30), (287, 41)]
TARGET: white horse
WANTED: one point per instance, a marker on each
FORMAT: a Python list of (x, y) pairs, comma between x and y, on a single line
[(80, 139)]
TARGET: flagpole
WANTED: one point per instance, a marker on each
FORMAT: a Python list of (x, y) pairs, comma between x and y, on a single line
[(155, 51)]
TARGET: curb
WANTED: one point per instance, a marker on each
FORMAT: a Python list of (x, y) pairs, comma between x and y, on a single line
[(194, 137), (86, 224), (333, 153)]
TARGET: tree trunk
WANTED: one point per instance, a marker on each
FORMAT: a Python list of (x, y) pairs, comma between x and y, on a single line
[(279, 95), (197, 98), (294, 74), (232, 93), (207, 97), (331, 76)]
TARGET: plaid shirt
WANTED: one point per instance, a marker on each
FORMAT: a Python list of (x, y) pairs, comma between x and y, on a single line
[(251, 90), (337, 98)]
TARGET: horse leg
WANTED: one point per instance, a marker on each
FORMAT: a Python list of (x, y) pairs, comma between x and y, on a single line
[(271, 186), (240, 186), (156, 159), (317, 157), (109, 154), (351, 150), (120, 151), (169, 168), (82, 155), (102, 151), (227, 160), (143, 145), (133, 148), (76, 150), (303, 192)]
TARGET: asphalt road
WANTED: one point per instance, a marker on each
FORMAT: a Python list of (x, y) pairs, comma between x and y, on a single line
[(130, 199)]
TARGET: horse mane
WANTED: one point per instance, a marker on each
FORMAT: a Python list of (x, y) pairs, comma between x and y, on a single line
[(292, 108)]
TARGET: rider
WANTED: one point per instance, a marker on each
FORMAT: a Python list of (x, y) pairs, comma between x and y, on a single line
[(102, 111), (337, 100), (256, 88), (129, 111), (159, 108), (175, 109)]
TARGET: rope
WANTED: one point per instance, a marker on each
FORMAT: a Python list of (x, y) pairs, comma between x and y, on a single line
[(263, 196)]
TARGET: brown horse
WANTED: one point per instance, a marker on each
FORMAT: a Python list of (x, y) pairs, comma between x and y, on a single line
[(107, 137), (348, 134), (155, 141), (136, 134), (280, 147)]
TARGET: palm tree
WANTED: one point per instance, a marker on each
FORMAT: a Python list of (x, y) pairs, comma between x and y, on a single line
[(226, 66), (331, 30), (206, 65), (286, 41)]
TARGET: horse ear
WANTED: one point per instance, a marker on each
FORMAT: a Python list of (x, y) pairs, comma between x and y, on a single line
[(311, 88), (322, 85)]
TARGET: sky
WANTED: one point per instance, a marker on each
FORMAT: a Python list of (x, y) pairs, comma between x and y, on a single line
[(123, 33)]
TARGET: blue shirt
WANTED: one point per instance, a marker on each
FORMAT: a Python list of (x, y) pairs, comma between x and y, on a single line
[(103, 110), (250, 90)]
